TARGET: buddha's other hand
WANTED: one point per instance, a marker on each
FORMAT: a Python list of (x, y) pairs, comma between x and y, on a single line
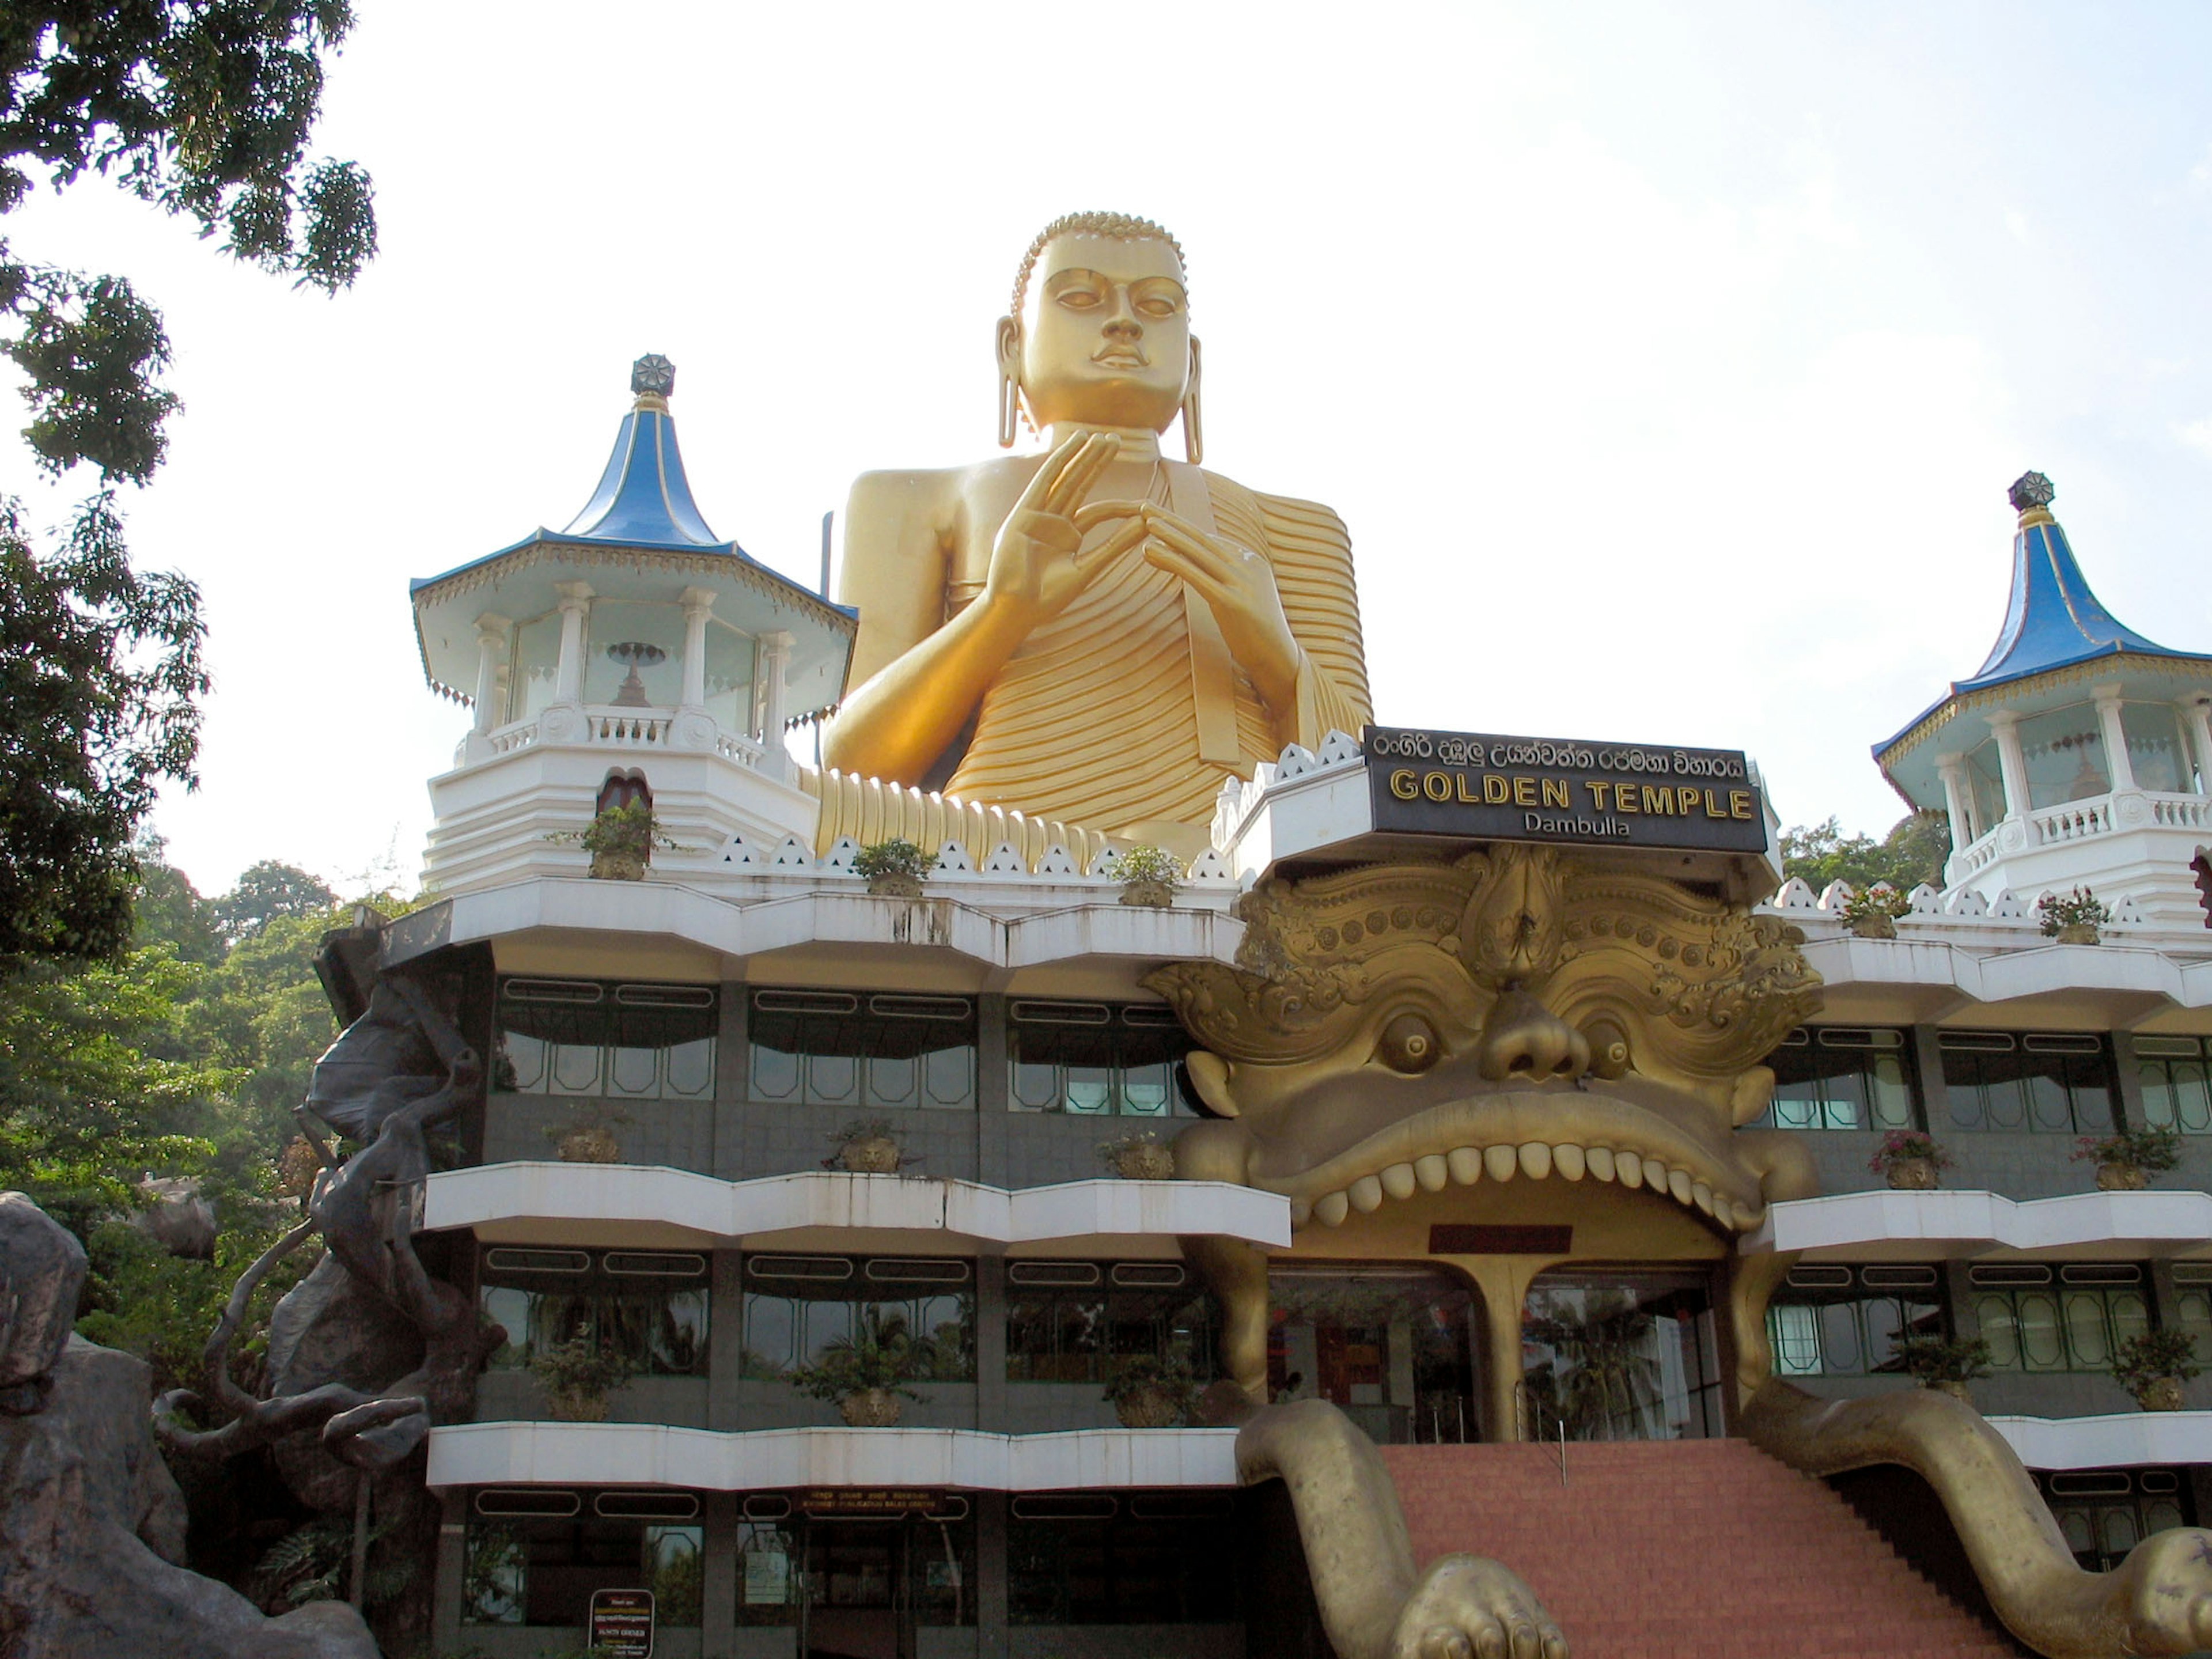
[(1037, 561), (1239, 587)]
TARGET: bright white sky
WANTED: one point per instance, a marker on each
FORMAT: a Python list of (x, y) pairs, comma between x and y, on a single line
[(1670, 367)]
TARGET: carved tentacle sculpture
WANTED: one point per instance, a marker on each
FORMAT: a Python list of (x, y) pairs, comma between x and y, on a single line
[(2159, 1600), (1373, 1603)]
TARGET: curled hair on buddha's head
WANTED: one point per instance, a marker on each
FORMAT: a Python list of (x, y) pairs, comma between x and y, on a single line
[(1122, 226)]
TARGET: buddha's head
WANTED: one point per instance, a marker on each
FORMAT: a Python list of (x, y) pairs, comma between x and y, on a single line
[(1099, 332)]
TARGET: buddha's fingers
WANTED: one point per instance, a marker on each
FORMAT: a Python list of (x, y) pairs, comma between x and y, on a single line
[(1035, 497), (1076, 479), (1088, 519), (1219, 558), (1099, 558), (1183, 565)]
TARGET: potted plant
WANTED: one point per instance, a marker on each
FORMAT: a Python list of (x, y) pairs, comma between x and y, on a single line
[(2153, 1367), (620, 840), (1872, 913), (577, 1375), (1148, 877), (865, 1376), (865, 1146), (1909, 1158), (1139, 1157), (1148, 1392), (588, 1136), (2074, 919), (893, 869), (2126, 1161), (1944, 1363)]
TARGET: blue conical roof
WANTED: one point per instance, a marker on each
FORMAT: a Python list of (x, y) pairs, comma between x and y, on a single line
[(643, 499)]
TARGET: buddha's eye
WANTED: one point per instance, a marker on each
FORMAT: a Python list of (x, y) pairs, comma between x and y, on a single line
[(1409, 1044)]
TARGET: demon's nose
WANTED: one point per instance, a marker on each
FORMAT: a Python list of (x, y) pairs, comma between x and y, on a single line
[(1522, 1038)]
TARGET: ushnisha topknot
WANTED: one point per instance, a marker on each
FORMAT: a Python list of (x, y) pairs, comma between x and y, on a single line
[(1122, 226)]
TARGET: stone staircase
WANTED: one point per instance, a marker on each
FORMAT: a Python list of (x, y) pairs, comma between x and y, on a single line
[(1695, 1549)]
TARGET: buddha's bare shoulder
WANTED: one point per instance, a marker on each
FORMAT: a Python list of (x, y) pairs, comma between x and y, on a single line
[(940, 491)]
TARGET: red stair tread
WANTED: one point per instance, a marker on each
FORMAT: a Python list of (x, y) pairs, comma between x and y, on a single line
[(1708, 1549)]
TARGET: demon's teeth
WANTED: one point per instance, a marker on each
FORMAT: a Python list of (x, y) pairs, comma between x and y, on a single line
[(1366, 1195), (1630, 1168), (1432, 1171), (1500, 1163), (1536, 1160), (1398, 1181), (1600, 1162), (1569, 1161), (1331, 1209), (1465, 1163)]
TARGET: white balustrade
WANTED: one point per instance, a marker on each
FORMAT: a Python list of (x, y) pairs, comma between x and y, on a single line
[(626, 728)]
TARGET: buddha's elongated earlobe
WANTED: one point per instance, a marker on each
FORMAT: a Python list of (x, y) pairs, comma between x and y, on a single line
[(1009, 381), (1193, 434)]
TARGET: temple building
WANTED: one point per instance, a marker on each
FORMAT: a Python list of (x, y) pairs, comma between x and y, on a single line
[(1480, 1122)]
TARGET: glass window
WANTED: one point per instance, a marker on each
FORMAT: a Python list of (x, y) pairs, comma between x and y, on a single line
[(2175, 1092), (534, 671), (1129, 1559), (796, 1307), (1098, 1059), (2065, 754), (729, 679), (2157, 751), (571, 1037), (1067, 1322), (650, 1306), (1622, 1357), (2046, 1082), (1845, 1322), (864, 1051), (2104, 1513), (634, 654), (1843, 1077), (1394, 1348), (1985, 787), (542, 1571), (2036, 1318), (2193, 1305)]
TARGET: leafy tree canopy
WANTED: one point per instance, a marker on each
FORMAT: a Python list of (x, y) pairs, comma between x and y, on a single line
[(1912, 852), (264, 892)]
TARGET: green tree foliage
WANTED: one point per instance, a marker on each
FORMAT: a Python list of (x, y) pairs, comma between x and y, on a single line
[(264, 892), (204, 109), (1912, 853)]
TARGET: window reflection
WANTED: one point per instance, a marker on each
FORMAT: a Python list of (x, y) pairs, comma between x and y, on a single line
[(1394, 1348), (1632, 1357)]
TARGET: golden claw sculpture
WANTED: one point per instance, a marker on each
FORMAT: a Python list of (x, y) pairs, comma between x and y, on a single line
[(1373, 1604), (2159, 1600)]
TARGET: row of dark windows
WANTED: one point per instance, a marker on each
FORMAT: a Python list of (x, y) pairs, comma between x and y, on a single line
[(865, 1050), (2060, 1083), (1834, 1320), (1066, 1321), (535, 1556)]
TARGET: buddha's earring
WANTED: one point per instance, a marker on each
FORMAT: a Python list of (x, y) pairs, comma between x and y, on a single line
[(1193, 436), (1010, 404)]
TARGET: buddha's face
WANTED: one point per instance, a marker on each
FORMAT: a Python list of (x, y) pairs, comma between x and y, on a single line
[(1104, 338)]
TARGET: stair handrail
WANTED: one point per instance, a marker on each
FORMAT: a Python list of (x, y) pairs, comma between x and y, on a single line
[(1529, 1413)]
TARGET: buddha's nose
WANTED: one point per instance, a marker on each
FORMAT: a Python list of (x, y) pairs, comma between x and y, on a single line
[(1522, 1038), (1124, 326)]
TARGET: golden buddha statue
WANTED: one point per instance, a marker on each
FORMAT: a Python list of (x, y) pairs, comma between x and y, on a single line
[(1095, 636)]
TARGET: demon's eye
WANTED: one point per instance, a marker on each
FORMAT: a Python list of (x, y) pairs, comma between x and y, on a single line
[(1608, 1044), (1409, 1044)]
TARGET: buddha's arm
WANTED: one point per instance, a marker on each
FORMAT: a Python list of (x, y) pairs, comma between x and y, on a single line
[(1311, 552), (920, 675)]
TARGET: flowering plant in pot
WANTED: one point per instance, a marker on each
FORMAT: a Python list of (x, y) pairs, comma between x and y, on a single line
[(577, 1375), (1139, 1157), (1148, 876), (588, 1135), (866, 1375), (1909, 1158), (894, 868), (2153, 1367), (1150, 1392), (620, 840), (1944, 1363), (1872, 913), (2126, 1161), (2074, 919), (865, 1146)]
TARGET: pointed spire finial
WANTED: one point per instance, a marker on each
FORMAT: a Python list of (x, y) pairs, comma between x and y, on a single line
[(2031, 491), (653, 376)]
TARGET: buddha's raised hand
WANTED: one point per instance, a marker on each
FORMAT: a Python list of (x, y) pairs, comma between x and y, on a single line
[(1037, 562), (1238, 585)]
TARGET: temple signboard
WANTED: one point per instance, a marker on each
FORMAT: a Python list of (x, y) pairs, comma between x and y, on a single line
[(1492, 788), (620, 1624)]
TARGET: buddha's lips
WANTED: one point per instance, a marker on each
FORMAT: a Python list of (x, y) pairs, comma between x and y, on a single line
[(1121, 357), (1527, 1134)]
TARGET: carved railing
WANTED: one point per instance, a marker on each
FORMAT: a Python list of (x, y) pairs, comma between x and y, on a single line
[(2087, 820)]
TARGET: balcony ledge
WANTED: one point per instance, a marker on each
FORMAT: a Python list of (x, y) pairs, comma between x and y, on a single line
[(1971, 1224), (706, 1460), (2122, 1440), (514, 1202)]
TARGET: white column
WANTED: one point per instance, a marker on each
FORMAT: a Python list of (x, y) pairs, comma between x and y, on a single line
[(772, 658), (2197, 721), (492, 654), (575, 603), (2012, 762), (2116, 737), (1957, 800), (698, 606)]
